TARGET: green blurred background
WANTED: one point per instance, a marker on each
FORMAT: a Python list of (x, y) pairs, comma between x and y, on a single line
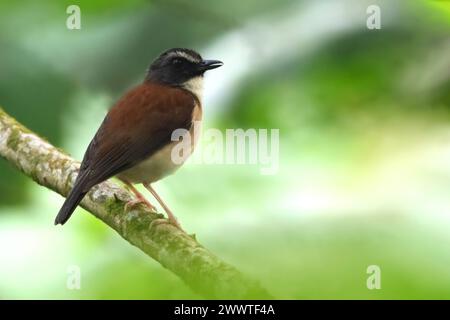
[(364, 119)]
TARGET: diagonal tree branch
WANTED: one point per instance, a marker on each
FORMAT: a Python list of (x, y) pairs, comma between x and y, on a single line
[(201, 270)]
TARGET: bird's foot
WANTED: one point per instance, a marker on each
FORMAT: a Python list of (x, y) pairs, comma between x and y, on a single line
[(132, 203), (171, 217), (174, 221)]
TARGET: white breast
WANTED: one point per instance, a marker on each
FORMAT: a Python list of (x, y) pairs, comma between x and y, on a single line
[(195, 86), (160, 164)]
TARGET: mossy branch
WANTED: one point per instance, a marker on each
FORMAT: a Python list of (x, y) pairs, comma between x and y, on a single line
[(175, 250)]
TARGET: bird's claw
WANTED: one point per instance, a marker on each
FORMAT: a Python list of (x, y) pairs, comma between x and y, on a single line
[(135, 202)]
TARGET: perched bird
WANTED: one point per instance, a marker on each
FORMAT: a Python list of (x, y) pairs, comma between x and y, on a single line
[(134, 141)]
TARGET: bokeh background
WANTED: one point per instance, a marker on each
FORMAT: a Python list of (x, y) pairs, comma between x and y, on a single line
[(364, 119)]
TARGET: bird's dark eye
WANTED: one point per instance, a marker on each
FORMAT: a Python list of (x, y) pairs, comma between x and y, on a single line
[(176, 62)]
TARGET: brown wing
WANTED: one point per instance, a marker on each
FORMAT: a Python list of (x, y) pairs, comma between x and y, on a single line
[(140, 124)]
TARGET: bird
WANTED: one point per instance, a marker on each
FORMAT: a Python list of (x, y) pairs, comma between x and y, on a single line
[(134, 141)]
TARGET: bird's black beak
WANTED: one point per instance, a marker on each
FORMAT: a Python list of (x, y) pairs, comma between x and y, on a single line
[(209, 64)]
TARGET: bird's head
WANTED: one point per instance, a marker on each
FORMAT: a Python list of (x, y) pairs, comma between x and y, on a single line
[(182, 68)]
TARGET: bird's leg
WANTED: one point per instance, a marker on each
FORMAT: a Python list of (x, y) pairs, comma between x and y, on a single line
[(139, 196), (172, 219)]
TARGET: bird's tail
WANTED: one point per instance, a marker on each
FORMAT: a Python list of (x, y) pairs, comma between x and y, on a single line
[(72, 201)]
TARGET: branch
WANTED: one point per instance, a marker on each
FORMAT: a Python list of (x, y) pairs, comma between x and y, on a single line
[(180, 253)]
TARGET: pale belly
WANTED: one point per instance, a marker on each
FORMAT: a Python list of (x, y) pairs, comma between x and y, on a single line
[(152, 169), (162, 163)]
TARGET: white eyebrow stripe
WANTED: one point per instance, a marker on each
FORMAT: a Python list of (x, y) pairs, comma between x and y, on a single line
[(186, 56)]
